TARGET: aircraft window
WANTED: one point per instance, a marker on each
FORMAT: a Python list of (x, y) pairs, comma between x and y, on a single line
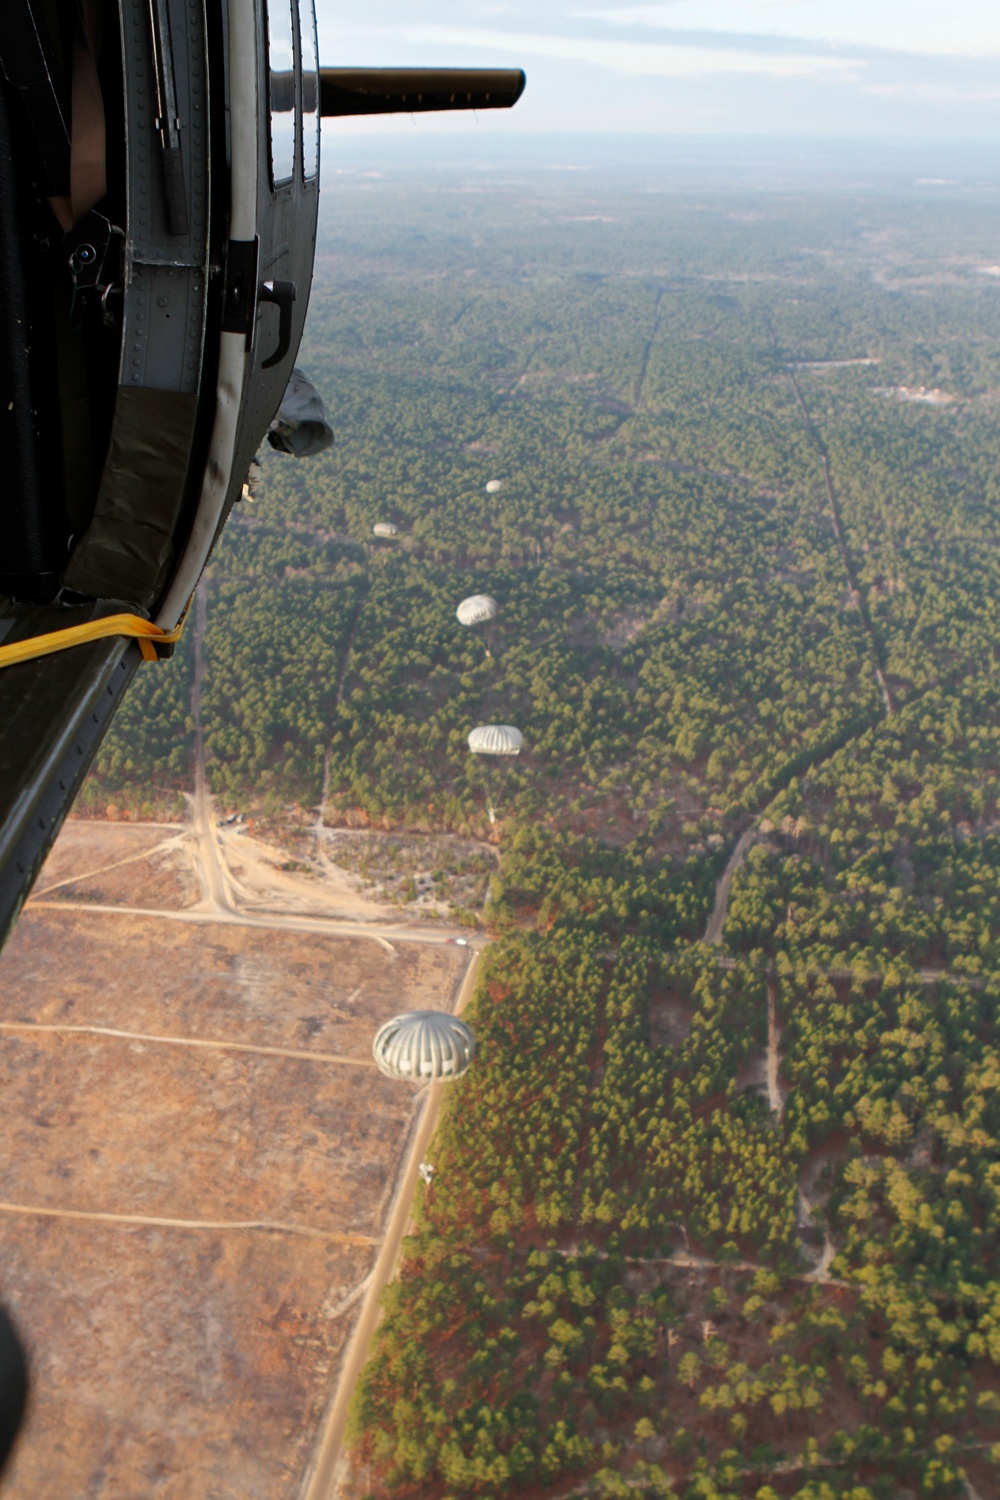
[(310, 90), (281, 80)]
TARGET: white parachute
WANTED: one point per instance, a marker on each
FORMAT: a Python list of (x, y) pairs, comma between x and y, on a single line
[(423, 1044), (494, 486), (496, 739), (476, 610), (385, 528)]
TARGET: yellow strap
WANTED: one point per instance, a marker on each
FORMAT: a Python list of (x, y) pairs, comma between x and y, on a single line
[(144, 631)]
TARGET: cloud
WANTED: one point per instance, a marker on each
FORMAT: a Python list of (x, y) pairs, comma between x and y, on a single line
[(933, 93), (650, 59), (708, 66), (923, 28)]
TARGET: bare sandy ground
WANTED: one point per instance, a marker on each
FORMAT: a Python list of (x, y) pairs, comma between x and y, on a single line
[(257, 875), (197, 1162), (169, 1364), (116, 862), (160, 866)]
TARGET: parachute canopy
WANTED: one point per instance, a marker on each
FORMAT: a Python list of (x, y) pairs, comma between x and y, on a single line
[(493, 486), (496, 739), (300, 426), (476, 610), (385, 528), (423, 1044)]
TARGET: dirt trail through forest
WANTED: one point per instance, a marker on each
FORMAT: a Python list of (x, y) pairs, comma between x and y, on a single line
[(214, 886), (319, 852), (857, 593), (263, 895), (775, 1097), (717, 919), (647, 351)]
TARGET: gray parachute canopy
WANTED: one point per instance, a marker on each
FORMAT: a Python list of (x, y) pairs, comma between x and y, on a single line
[(423, 1044), (496, 739), (476, 610), (301, 427)]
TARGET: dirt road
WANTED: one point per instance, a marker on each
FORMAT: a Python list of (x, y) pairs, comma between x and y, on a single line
[(775, 1098), (717, 920), (383, 933), (211, 872), (858, 594), (321, 1478)]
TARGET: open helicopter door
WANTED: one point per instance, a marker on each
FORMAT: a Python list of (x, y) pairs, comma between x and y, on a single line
[(273, 124), (158, 202)]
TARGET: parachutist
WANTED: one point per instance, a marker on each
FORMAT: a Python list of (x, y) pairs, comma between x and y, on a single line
[(300, 426), (252, 481)]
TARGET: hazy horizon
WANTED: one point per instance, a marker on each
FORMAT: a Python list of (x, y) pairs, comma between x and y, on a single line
[(933, 168), (904, 69)]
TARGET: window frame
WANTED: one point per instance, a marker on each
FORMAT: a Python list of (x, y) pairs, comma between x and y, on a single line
[(279, 184), (310, 7)]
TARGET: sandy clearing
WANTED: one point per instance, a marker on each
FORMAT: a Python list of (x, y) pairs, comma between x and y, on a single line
[(197, 1164), (267, 1225), (170, 1364), (212, 1043)]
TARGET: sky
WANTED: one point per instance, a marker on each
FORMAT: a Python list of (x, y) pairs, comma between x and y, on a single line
[(925, 70)]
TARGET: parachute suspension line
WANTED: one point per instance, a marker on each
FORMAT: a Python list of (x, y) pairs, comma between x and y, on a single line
[(485, 778), (150, 637), (488, 741), (488, 782), (491, 810)]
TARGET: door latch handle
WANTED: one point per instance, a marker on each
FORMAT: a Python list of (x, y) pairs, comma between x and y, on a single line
[(282, 294)]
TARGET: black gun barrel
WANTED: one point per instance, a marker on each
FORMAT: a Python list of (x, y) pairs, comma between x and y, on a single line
[(391, 91)]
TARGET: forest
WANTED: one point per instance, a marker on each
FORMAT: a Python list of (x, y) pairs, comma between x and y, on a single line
[(710, 1219)]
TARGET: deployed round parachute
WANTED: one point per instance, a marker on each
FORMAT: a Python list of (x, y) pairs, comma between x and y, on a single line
[(494, 486), (385, 528), (476, 610), (423, 1044), (496, 739)]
